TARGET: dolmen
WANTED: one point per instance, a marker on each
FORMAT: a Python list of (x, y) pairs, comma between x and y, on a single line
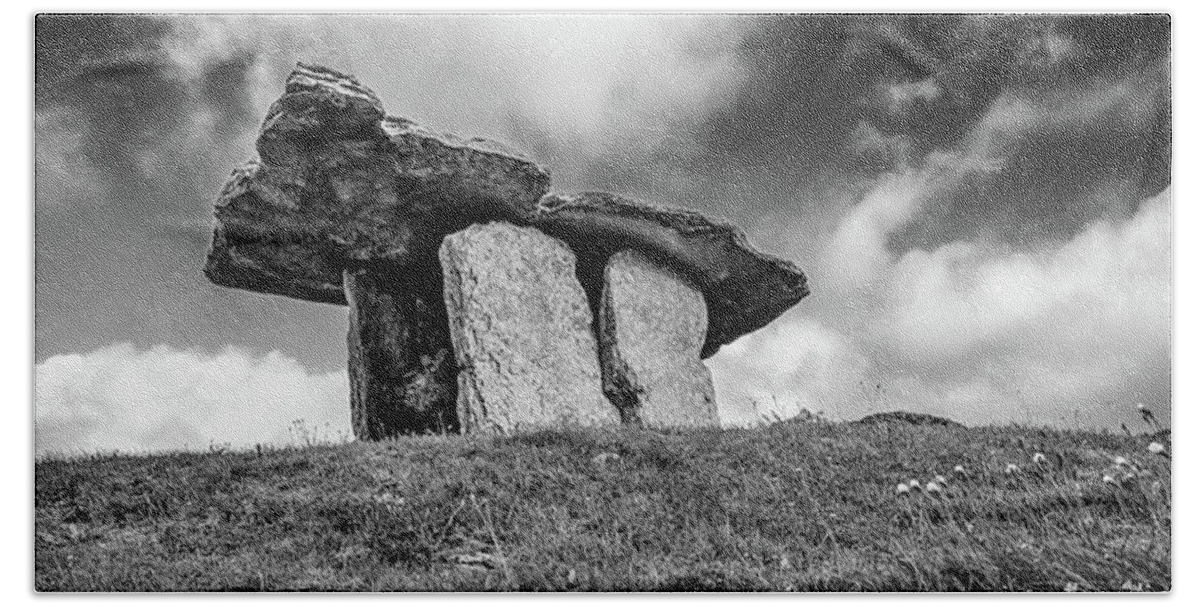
[(478, 300)]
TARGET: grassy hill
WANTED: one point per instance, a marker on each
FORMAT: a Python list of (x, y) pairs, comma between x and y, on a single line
[(798, 506)]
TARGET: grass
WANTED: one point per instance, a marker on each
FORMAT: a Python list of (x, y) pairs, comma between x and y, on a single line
[(803, 505)]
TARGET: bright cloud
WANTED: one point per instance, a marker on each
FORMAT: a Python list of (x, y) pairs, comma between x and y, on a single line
[(595, 86), (786, 367), (123, 398), (981, 332)]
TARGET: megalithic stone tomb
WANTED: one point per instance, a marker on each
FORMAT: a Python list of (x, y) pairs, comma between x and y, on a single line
[(347, 205)]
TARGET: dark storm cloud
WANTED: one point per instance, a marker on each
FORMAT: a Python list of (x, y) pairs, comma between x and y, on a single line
[(68, 46), (133, 108), (831, 100)]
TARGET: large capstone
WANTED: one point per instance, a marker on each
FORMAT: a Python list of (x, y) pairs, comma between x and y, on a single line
[(521, 330), (744, 288), (402, 370), (652, 326), (339, 184)]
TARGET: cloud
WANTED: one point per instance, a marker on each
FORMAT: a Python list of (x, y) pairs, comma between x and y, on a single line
[(902, 95), (980, 331), (123, 398), (1002, 251), (788, 366), (572, 91), (945, 303)]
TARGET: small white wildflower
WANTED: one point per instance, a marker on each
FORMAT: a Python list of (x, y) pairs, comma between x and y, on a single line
[(941, 480), (1071, 587), (933, 488), (914, 484), (1156, 448), (1039, 458), (960, 470), (902, 488), (1141, 407), (1121, 461), (1128, 476), (1011, 469), (1109, 480)]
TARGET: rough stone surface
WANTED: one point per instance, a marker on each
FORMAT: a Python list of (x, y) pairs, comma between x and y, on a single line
[(521, 329), (744, 288), (402, 369), (339, 184), (653, 323)]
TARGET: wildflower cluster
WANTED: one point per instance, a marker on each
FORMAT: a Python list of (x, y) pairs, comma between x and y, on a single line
[(1125, 470), (934, 487)]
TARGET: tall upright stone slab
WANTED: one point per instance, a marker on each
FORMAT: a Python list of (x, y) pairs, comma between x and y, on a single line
[(402, 371), (521, 330), (653, 323)]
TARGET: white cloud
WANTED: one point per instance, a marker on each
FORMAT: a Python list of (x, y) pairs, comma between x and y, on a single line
[(1014, 117), (902, 95), (1111, 277), (596, 85), (1073, 333), (793, 364), (123, 398)]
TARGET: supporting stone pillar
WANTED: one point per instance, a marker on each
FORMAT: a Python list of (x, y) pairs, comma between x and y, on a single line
[(652, 328), (402, 370), (521, 330)]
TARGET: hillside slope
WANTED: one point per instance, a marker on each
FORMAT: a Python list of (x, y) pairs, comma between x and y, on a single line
[(801, 506)]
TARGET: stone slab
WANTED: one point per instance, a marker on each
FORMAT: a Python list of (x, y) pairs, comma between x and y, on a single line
[(653, 322), (521, 329), (401, 365)]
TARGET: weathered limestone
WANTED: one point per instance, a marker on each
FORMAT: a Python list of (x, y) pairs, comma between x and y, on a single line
[(339, 184), (652, 327), (402, 370), (340, 187), (744, 288), (521, 329)]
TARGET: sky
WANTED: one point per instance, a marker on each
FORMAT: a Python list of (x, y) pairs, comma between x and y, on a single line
[(982, 204)]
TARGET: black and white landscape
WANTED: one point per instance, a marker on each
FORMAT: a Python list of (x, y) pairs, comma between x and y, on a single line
[(813, 219)]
